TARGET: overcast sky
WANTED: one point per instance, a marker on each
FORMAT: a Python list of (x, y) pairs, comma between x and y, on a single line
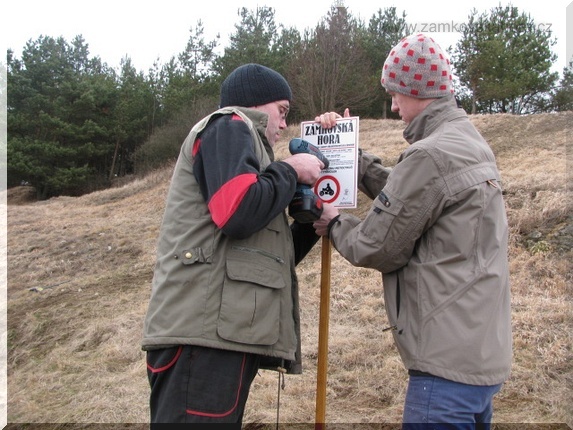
[(146, 31)]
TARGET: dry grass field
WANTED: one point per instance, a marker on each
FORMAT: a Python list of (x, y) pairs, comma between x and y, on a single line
[(79, 276)]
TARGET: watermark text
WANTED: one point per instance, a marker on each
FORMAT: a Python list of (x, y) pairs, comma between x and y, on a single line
[(462, 27)]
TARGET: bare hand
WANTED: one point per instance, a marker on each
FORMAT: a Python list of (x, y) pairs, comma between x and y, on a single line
[(328, 213), (307, 167), (328, 119)]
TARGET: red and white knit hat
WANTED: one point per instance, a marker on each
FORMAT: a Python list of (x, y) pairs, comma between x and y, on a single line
[(417, 67)]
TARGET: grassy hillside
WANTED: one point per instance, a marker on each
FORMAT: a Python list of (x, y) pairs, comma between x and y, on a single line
[(79, 275)]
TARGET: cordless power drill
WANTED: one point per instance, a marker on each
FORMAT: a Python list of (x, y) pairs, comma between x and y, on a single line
[(305, 206)]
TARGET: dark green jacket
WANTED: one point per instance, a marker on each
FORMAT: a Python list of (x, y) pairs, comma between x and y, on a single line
[(216, 291)]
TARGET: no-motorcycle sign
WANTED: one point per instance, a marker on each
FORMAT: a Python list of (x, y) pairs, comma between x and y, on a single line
[(336, 185)]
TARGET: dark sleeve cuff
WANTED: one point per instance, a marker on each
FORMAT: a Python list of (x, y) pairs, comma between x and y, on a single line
[(331, 223), (289, 168)]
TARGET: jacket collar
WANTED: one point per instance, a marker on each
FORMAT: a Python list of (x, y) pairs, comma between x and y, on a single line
[(436, 113), (260, 121)]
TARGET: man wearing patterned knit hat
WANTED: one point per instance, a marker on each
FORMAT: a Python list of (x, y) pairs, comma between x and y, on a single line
[(437, 231), (224, 300)]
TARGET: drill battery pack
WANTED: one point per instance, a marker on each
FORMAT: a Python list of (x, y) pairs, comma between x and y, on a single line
[(305, 207)]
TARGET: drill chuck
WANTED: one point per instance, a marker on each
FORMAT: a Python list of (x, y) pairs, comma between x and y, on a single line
[(301, 146)]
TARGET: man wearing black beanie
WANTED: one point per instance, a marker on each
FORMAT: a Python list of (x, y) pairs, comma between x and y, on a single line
[(254, 85), (224, 299)]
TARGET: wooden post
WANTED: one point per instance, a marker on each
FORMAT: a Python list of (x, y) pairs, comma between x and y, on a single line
[(324, 315)]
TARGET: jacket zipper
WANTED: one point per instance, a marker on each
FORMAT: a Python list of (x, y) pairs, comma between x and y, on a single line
[(260, 252), (395, 326), (397, 297)]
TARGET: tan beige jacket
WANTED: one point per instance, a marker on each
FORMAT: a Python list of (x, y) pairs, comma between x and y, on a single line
[(437, 230)]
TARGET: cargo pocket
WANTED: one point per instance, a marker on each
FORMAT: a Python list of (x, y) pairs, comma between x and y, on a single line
[(382, 215), (161, 360), (251, 298)]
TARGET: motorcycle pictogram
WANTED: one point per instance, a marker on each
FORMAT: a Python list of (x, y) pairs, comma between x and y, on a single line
[(327, 190)]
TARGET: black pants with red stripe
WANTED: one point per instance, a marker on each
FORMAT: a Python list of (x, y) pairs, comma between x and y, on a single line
[(191, 384)]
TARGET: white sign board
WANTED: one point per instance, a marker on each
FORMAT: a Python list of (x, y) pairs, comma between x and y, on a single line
[(336, 185)]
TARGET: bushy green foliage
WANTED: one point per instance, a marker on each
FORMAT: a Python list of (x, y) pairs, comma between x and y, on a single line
[(164, 145), (74, 123), (59, 127), (563, 96), (504, 59)]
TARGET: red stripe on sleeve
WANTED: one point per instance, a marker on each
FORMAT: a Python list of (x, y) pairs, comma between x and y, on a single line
[(196, 146), (225, 202)]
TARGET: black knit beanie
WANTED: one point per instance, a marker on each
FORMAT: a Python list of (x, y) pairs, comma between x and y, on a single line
[(252, 85)]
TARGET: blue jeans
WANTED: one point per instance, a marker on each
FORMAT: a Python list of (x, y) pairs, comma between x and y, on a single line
[(440, 404)]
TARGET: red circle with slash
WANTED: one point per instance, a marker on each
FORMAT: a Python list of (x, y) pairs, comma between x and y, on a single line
[(327, 192)]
